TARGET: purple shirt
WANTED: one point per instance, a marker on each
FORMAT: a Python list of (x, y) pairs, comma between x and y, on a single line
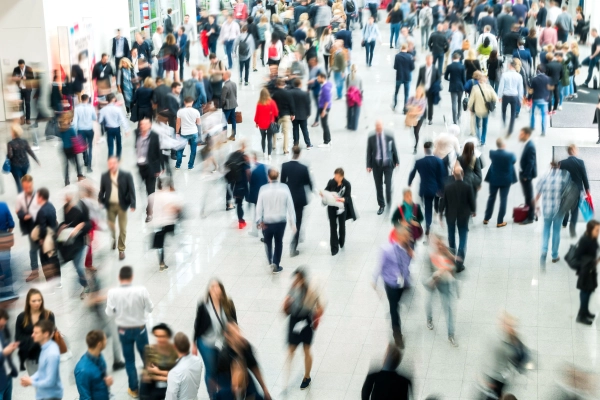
[(394, 262), (325, 95)]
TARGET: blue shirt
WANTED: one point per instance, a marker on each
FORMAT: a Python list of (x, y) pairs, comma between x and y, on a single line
[(511, 84), (90, 372), (84, 117), (46, 380), (112, 116), (394, 263), (6, 219)]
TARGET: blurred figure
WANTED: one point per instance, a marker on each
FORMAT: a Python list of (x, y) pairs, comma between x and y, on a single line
[(577, 384), (16, 152), (25, 77), (265, 116), (382, 158), (586, 256), (103, 74), (188, 123), (258, 178), (500, 176), (83, 123), (120, 49), (9, 371), (7, 224), (159, 359), (149, 159), (167, 207), (114, 121), (387, 384), (471, 166), (27, 209), (339, 212), (90, 372), (213, 314), (528, 172), (237, 182), (442, 268), (43, 232), (125, 80), (394, 271), (183, 380), (304, 308), (577, 171), (409, 215), (68, 136)]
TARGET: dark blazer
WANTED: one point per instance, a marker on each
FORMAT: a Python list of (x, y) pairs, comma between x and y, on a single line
[(46, 218), (576, 169), (203, 321), (403, 64), (458, 202), (528, 162), (346, 36), (541, 17), (301, 100), (159, 97), (125, 187), (332, 186), (438, 44), (78, 78), (28, 76), (386, 385), (505, 23), (502, 171), (126, 50), (390, 149), (182, 43), (285, 102), (229, 95), (554, 71), (456, 75), (296, 176), (5, 338), (28, 349), (154, 157), (435, 76), (432, 172), (258, 178), (143, 50), (586, 254), (207, 89), (488, 20)]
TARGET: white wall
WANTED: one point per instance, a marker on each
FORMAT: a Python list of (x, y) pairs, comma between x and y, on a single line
[(592, 9)]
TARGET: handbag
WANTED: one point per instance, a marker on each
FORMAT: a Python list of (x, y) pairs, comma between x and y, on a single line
[(7, 240), (60, 341), (587, 212), (490, 105), (238, 117), (79, 144), (415, 230), (273, 129), (6, 166), (388, 19), (465, 103), (570, 258)]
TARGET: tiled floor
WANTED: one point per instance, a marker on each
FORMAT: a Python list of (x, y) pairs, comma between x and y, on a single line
[(502, 272)]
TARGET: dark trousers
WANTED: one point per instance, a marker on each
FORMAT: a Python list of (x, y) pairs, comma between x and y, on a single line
[(574, 216), (352, 115), (428, 203), (439, 59), (6, 280), (528, 193), (26, 103), (298, 210), (315, 95), (18, 172), (130, 338), (380, 174), (265, 134), (584, 302), (239, 200), (326, 63), (245, 65), (429, 96), (88, 136), (112, 135), (230, 117), (492, 200), (514, 102), (117, 64), (274, 231), (393, 295), (456, 98), (181, 59), (297, 125), (336, 241), (406, 91), (149, 179), (373, 10), (71, 157), (416, 131), (554, 95), (463, 230), (369, 50), (325, 125)]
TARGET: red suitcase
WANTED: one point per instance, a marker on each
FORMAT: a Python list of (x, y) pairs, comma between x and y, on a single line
[(520, 213)]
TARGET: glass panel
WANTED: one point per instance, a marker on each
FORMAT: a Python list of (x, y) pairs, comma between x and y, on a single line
[(131, 13)]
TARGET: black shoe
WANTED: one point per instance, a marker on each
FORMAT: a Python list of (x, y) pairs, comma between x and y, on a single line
[(598, 142), (584, 320), (334, 252), (590, 315), (430, 123), (460, 268), (294, 253), (305, 383), (118, 365), (527, 222), (380, 211)]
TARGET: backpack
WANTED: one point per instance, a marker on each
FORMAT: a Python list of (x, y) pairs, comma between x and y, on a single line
[(570, 258), (234, 164), (350, 6), (189, 89), (272, 51), (243, 48)]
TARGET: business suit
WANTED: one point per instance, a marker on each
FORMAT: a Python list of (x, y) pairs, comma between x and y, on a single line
[(578, 173), (150, 165), (432, 172), (229, 103), (404, 64), (126, 199), (126, 51), (528, 172), (6, 361), (382, 157), (345, 191), (458, 204), (301, 101), (500, 176), (26, 77), (455, 74), (434, 76), (182, 43), (296, 176), (487, 20)]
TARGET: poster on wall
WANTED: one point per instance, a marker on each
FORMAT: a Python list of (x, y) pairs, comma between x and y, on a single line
[(81, 51)]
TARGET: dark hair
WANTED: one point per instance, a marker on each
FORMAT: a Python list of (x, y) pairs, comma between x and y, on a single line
[(428, 145), (296, 150), (43, 193), (486, 41), (273, 174), (46, 325), (175, 85), (322, 75), (250, 20), (456, 55), (244, 28), (468, 153), (280, 82), (527, 130), (21, 61), (188, 99), (110, 97), (590, 227), (532, 33), (541, 68), (211, 56), (44, 314), (169, 10), (493, 55), (3, 314), (84, 97), (181, 342), (297, 82), (163, 327), (339, 171), (104, 55), (182, 28), (93, 338), (392, 357), (125, 273)]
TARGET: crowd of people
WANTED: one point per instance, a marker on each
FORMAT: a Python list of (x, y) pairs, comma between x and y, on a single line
[(517, 53)]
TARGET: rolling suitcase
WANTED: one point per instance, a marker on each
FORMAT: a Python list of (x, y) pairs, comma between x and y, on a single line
[(520, 213)]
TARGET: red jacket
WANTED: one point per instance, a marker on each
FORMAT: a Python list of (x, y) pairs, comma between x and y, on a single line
[(240, 11), (265, 114)]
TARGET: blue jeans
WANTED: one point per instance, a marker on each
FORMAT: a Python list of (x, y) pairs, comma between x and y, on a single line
[(339, 83), (551, 223), (230, 117), (406, 90), (113, 134), (446, 298), (129, 338), (209, 356), (542, 105), (394, 33), (439, 59), (591, 63), (6, 394), (88, 136), (229, 52), (481, 128), (492, 200), (463, 230), (79, 263), (274, 231), (7, 282), (192, 139), (370, 49), (18, 172)]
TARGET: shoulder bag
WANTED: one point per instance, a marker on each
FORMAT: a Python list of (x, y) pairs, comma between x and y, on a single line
[(490, 105), (415, 230), (6, 166)]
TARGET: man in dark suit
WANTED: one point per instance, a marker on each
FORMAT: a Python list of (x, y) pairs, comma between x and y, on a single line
[(438, 12), (438, 44), (181, 39), (488, 20), (25, 77), (432, 172), (296, 176), (159, 95), (8, 370), (387, 383), (554, 71), (578, 173), (120, 49), (505, 24), (149, 159), (455, 74), (528, 172), (500, 176), (382, 158), (404, 64), (168, 22), (520, 10), (117, 194), (301, 100), (428, 75), (458, 204), (229, 101)]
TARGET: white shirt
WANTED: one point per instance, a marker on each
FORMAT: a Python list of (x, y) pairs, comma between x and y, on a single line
[(167, 205), (22, 202), (189, 117), (553, 13), (129, 305), (274, 203), (183, 381), (444, 144), (157, 42)]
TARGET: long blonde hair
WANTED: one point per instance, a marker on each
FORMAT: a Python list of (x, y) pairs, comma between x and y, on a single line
[(353, 72), (397, 6), (264, 97), (575, 48)]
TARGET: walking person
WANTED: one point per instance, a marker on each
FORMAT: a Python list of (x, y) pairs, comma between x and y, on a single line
[(182, 40), (510, 92), (67, 135), (528, 172), (229, 102), (324, 103), (8, 348), (416, 107), (342, 211), (237, 180), (25, 77), (129, 305), (339, 65), (7, 225), (302, 107), (539, 92), (230, 30), (216, 70), (304, 307), (592, 61), (265, 116), (404, 64), (395, 18), (17, 151), (286, 109), (114, 121), (393, 268), (167, 205), (382, 158), (500, 176), (387, 383), (188, 126), (297, 177), (43, 232), (90, 372), (370, 36), (354, 97), (586, 255), (494, 69), (430, 78), (577, 171), (482, 96), (26, 209), (456, 75), (83, 123), (438, 44), (273, 207), (244, 47), (183, 380), (159, 358), (258, 178)]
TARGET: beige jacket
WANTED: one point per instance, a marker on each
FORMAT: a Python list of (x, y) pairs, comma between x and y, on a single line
[(477, 99)]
